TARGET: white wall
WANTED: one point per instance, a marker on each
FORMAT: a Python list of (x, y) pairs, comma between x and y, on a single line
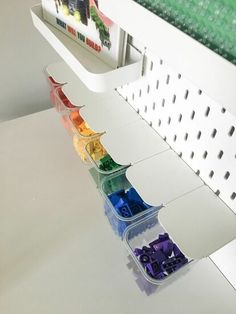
[(23, 55)]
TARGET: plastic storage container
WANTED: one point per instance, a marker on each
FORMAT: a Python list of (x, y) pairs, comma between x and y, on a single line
[(123, 206), (83, 135), (79, 126), (73, 122), (60, 101), (52, 83), (156, 255), (100, 158)]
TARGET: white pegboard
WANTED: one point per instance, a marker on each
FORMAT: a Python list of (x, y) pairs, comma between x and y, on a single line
[(200, 130)]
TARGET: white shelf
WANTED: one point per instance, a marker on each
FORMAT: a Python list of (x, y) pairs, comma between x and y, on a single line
[(209, 71), (53, 234), (95, 74), (199, 222)]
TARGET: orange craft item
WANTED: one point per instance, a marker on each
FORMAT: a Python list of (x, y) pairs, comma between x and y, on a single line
[(80, 124)]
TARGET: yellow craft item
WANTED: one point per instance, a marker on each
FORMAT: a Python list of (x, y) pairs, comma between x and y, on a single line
[(79, 145)]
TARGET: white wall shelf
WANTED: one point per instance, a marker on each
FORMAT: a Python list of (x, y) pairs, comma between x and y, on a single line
[(51, 232), (94, 73), (158, 174), (210, 72)]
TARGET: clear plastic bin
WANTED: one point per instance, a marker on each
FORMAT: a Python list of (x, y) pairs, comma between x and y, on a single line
[(82, 134), (60, 101), (79, 126), (165, 268), (97, 177), (129, 207), (52, 83), (100, 158), (71, 115), (79, 144)]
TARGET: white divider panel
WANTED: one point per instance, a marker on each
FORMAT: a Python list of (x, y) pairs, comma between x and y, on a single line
[(79, 95), (109, 115), (225, 260), (95, 74), (61, 73), (162, 178), (200, 130), (133, 143), (201, 65), (199, 222)]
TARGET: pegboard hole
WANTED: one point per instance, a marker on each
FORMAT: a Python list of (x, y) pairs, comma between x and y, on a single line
[(174, 99), (138, 110), (199, 135), (168, 79), (148, 89), (223, 110), (233, 196), (205, 155), (180, 117), (207, 111), (163, 102), (192, 155), (161, 61), (140, 93), (199, 92), (192, 115), (175, 138), (186, 94), (133, 96), (220, 155), (179, 76), (159, 122), (145, 109), (211, 174), (180, 154), (151, 66), (169, 120), (150, 123), (213, 134), (157, 84), (198, 172), (186, 136), (217, 192), (231, 131), (154, 106), (227, 175)]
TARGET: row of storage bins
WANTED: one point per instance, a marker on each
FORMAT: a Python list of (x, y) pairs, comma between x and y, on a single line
[(153, 252)]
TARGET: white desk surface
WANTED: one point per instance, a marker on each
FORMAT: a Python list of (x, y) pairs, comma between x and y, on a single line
[(58, 252)]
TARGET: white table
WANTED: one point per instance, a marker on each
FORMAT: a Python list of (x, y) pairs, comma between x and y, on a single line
[(59, 254)]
